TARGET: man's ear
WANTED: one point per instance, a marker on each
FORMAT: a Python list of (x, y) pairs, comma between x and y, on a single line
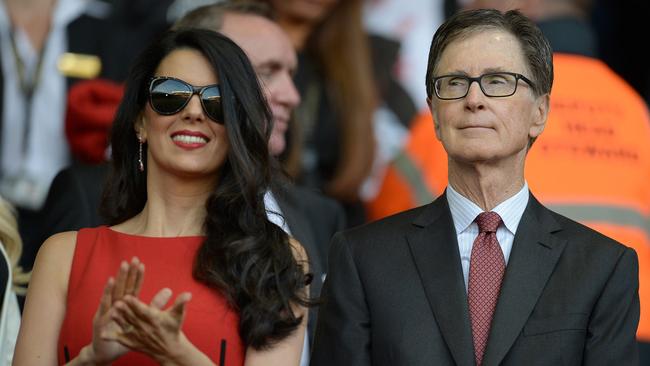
[(540, 116), (433, 111)]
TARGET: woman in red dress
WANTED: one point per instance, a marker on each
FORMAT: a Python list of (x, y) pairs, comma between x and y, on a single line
[(185, 197)]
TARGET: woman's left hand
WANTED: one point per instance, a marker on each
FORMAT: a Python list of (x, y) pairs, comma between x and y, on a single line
[(150, 329)]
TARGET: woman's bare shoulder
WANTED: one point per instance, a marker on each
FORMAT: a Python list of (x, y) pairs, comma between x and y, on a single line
[(58, 249), (60, 242)]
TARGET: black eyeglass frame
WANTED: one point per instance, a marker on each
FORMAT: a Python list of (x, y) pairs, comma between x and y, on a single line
[(196, 90), (478, 80)]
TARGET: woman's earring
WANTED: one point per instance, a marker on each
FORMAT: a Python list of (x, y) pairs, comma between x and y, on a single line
[(140, 163)]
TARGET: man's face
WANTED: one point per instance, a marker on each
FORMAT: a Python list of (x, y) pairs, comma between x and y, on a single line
[(481, 129), (274, 60)]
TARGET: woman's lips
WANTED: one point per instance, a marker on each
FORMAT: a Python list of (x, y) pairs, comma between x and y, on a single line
[(189, 139)]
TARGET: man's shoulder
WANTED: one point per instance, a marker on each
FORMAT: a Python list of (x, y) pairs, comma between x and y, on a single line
[(308, 197), (382, 241), (310, 203), (387, 230)]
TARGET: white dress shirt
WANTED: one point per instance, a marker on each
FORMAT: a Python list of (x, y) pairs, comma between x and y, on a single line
[(463, 213)]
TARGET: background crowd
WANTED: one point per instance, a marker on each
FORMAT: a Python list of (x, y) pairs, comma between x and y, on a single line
[(354, 137)]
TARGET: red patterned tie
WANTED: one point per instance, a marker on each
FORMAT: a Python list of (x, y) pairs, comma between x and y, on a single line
[(486, 270)]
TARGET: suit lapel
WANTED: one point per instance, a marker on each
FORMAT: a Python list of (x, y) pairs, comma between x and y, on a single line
[(534, 255), (434, 248)]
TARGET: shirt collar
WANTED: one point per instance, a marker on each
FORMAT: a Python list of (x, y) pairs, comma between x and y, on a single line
[(464, 211)]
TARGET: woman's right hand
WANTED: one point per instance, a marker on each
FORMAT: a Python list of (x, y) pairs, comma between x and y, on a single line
[(127, 282)]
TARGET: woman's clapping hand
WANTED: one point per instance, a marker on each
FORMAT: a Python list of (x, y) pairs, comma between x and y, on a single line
[(128, 282), (150, 329)]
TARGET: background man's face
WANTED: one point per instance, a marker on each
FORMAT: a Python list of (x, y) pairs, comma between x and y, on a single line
[(274, 60)]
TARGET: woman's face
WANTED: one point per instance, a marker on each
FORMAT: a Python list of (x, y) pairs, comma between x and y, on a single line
[(187, 144)]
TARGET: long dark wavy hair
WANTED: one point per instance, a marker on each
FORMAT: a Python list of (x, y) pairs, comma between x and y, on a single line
[(246, 257)]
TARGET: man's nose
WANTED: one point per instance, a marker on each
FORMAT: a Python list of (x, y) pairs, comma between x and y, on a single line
[(475, 96), (286, 92)]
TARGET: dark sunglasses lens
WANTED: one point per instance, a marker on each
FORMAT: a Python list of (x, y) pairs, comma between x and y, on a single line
[(211, 99), (169, 96)]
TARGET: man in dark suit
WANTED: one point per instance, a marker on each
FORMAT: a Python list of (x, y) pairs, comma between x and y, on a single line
[(484, 275)]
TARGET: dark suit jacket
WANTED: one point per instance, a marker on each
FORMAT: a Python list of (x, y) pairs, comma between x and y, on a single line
[(395, 296), (73, 202), (313, 219)]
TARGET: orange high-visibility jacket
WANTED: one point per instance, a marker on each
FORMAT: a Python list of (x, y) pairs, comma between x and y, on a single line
[(591, 163)]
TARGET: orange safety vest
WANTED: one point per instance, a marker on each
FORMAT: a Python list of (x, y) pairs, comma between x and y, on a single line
[(591, 163)]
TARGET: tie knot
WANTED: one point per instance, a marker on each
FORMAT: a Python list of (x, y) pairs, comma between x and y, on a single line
[(488, 222)]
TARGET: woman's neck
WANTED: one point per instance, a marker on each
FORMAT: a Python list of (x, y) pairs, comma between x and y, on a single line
[(167, 220), (175, 207)]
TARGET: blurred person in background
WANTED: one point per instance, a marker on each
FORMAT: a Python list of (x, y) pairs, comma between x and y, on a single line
[(12, 282), (74, 196), (334, 136), (41, 50), (190, 169), (47, 46), (410, 26)]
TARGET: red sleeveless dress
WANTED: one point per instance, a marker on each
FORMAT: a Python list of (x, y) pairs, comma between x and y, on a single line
[(168, 263)]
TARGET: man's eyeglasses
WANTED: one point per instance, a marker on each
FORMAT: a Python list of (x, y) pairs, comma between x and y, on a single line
[(169, 95), (497, 84)]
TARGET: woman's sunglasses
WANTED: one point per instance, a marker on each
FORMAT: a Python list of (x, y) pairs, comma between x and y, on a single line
[(169, 96)]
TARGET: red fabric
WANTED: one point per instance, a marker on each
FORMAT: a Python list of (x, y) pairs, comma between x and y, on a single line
[(168, 263), (91, 107), (486, 269)]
